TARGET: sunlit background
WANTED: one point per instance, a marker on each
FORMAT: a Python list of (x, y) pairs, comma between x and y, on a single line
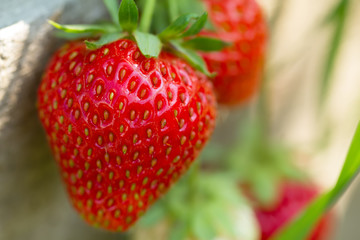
[(308, 53)]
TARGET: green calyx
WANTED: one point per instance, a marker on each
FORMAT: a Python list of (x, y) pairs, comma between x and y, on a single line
[(125, 24)]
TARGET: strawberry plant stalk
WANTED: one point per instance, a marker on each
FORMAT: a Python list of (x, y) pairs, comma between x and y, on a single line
[(173, 9), (339, 18), (147, 15)]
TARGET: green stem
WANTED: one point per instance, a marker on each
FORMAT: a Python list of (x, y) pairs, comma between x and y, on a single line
[(279, 10), (173, 9), (147, 15), (263, 112), (340, 17), (113, 9)]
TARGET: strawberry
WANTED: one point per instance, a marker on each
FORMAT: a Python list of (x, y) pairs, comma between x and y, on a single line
[(124, 118), (239, 66), (123, 128), (293, 198)]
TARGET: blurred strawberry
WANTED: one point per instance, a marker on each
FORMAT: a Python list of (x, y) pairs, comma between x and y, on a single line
[(239, 66), (292, 198)]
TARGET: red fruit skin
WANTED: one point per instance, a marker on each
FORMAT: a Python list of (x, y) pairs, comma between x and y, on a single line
[(293, 197), (122, 128), (238, 67)]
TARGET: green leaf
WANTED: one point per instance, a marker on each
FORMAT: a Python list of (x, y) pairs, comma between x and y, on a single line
[(201, 227), (213, 185), (152, 216), (85, 28), (299, 228), (201, 206), (113, 6), (197, 7), (222, 219), (128, 15), (264, 183), (205, 44), (149, 44), (176, 28), (338, 18), (178, 232), (197, 26), (105, 39), (351, 166), (336, 12), (192, 57)]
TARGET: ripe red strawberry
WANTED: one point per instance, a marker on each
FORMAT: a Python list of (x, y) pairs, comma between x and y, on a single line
[(293, 197), (123, 128), (238, 67)]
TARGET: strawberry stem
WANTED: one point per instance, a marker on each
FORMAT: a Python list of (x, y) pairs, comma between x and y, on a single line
[(112, 7), (147, 16), (173, 9), (262, 111)]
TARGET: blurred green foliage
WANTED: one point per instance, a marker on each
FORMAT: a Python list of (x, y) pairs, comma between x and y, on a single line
[(336, 19), (301, 226)]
